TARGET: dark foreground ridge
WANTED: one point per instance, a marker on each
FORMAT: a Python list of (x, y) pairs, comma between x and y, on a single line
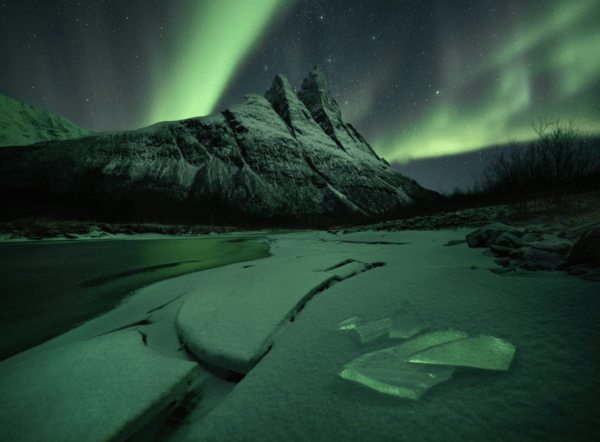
[(284, 159)]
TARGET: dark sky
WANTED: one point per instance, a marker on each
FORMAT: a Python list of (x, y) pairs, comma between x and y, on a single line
[(428, 83)]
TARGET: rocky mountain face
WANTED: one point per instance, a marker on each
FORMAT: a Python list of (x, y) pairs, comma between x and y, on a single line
[(280, 159), (22, 124)]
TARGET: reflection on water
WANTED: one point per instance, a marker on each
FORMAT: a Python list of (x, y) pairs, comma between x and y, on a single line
[(49, 288)]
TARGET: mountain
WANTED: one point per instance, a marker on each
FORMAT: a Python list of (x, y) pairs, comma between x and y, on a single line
[(278, 159), (22, 124)]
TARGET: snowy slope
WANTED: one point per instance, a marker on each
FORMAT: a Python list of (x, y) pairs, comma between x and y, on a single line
[(22, 124)]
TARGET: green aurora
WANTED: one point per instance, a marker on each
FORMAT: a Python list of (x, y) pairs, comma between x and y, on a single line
[(224, 35), (565, 40)]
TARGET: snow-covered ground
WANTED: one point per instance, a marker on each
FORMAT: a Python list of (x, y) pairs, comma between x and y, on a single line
[(277, 320)]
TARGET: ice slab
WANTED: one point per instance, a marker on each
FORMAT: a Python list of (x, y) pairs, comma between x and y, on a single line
[(388, 372), (405, 322), (231, 319), (367, 331), (485, 352), (372, 330), (349, 324), (101, 389)]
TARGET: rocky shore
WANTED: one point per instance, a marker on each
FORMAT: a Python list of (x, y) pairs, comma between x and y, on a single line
[(569, 243)]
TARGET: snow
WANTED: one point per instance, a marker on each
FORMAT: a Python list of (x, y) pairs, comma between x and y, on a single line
[(56, 395), (22, 124), (132, 359)]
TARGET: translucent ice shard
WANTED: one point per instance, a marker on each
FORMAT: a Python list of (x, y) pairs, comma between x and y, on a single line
[(405, 322), (367, 331), (408, 381), (371, 330), (432, 339), (349, 324), (386, 370), (480, 352)]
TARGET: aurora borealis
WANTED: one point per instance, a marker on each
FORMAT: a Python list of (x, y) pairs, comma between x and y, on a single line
[(422, 81), (542, 67), (208, 60)]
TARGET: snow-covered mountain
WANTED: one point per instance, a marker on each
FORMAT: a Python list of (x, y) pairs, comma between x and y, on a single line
[(22, 124), (283, 158)]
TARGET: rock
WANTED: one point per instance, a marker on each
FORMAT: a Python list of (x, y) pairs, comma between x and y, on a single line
[(519, 250), (593, 275), (587, 247), (488, 235), (22, 124), (284, 158), (541, 250), (516, 253), (98, 234), (463, 218), (500, 251), (535, 259), (547, 245), (509, 240), (578, 270), (504, 262), (530, 237)]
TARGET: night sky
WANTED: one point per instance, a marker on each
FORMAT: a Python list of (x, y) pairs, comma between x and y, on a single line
[(429, 83)]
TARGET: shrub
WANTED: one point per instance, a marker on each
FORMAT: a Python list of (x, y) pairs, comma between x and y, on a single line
[(558, 159)]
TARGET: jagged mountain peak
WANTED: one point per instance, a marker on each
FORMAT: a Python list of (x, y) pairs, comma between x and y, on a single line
[(282, 158), (315, 79), (326, 112), (316, 97)]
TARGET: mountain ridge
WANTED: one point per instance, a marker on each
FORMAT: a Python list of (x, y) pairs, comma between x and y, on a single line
[(282, 158), (22, 124)]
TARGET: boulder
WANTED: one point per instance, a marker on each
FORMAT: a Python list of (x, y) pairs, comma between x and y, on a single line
[(535, 259), (509, 240), (534, 249), (587, 248), (284, 158), (485, 236)]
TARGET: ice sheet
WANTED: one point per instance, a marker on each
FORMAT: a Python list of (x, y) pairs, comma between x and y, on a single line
[(388, 372), (405, 322), (349, 324), (485, 352), (372, 330)]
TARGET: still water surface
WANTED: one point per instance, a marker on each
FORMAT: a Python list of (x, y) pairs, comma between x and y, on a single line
[(48, 288)]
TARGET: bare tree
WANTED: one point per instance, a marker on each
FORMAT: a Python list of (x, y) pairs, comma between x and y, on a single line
[(558, 157)]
